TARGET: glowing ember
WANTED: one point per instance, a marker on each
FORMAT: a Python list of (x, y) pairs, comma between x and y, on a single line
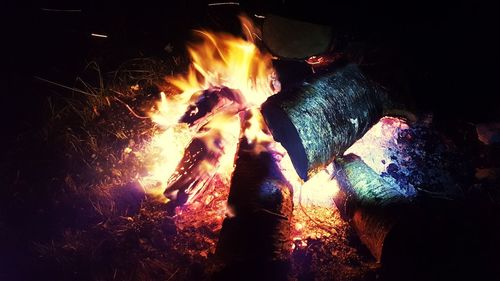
[(315, 215)]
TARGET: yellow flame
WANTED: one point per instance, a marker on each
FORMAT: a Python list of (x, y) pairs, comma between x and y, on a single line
[(222, 60), (256, 132), (218, 60)]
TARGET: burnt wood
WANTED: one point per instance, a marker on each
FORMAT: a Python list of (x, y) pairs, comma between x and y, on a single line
[(256, 233)]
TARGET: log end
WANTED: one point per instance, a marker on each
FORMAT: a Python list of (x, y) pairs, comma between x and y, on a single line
[(285, 132)]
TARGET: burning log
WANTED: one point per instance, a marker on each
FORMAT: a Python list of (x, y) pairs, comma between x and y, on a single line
[(257, 229), (190, 174), (320, 119), (202, 158), (210, 101), (370, 204)]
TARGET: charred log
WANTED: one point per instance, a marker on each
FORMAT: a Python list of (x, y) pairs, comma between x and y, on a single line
[(321, 118), (208, 102), (256, 234), (189, 174), (200, 161)]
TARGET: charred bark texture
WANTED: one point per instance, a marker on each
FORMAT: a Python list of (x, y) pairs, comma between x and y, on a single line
[(257, 233), (209, 102), (189, 175), (321, 118)]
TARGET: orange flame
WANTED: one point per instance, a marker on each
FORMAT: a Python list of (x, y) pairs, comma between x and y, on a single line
[(184, 156), (218, 60)]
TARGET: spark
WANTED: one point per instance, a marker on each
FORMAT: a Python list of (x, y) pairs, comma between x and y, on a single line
[(99, 35), (61, 10), (224, 3)]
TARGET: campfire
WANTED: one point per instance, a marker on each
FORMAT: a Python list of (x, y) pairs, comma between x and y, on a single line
[(215, 163), (298, 142), (227, 81), (213, 121)]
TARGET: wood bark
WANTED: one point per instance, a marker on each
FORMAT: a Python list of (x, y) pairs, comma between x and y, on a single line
[(260, 204), (371, 205), (319, 119)]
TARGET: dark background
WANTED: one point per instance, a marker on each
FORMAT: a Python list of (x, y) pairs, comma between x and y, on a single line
[(447, 51), (443, 55)]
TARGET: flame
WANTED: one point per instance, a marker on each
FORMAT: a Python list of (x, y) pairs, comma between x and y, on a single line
[(221, 63), (256, 132), (193, 149), (208, 155)]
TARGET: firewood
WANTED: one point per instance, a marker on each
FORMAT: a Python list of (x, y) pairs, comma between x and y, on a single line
[(371, 205), (206, 103), (321, 118), (201, 160), (260, 205)]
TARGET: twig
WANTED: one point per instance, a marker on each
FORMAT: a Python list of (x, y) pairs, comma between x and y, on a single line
[(89, 88), (173, 274), (283, 217), (96, 67), (130, 109)]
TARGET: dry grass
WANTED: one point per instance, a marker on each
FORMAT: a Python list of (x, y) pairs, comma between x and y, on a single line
[(117, 234), (111, 230)]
